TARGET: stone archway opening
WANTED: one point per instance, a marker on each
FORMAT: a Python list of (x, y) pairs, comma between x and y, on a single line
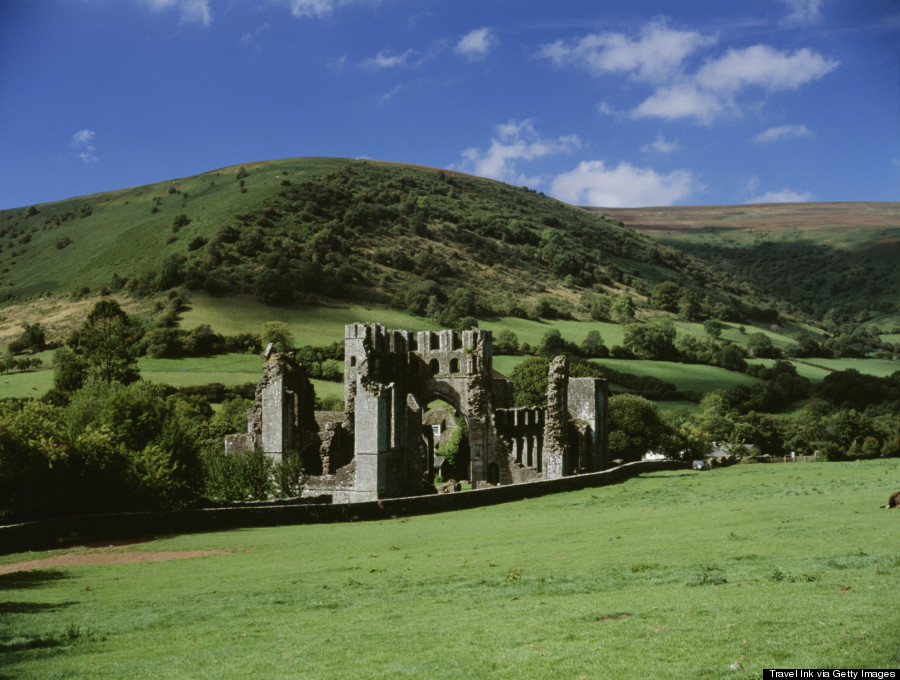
[(452, 457)]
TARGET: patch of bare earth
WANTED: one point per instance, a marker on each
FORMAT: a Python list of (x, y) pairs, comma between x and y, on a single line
[(107, 555)]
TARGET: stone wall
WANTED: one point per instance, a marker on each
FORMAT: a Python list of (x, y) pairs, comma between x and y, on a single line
[(67, 531)]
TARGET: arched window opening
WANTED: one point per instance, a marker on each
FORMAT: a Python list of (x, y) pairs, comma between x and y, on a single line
[(454, 365), (435, 367)]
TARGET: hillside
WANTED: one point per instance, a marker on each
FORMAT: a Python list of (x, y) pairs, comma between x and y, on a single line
[(832, 261), (309, 229)]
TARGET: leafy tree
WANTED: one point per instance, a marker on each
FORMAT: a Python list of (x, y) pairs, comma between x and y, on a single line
[(622, 308), (530, 382), (635, 427), (278, 333), (171, 274), (593, 346), (712, 328), (553, 343), (652, 341), (69, 370), (105, 341), (506, 342), (33, 336), (760, 345), (689, 307), (600, 307), (667, 296)]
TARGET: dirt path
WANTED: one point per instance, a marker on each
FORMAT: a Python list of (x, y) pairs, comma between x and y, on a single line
[(107, 555)]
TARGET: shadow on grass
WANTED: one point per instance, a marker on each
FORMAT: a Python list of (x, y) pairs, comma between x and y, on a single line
[(18, 639), (20, 580)]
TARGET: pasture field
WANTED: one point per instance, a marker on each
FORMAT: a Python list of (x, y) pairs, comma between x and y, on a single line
[(311, 325), (679, 574)]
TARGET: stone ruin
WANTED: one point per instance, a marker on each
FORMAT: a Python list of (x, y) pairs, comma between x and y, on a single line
[(378, 446)]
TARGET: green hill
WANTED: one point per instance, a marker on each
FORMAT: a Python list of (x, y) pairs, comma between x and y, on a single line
[(832, 261), (309, 229)]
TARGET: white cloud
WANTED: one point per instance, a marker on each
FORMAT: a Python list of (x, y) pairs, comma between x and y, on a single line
[(476, 44), (658, 53), (312, 9), (660, 56), (319, 9), (765, 67), (712, 91), (192, 11), (783, 196), (776, 134), (625, 186), (803, 11), (661, 145), (83, 144), (384, 60), (514, 141), (684, 100)]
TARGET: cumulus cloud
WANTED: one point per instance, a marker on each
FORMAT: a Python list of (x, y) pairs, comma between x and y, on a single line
[(82, 143), (660, 145), (192, 11), (777, 134), (661, 57), (385, 59), (476, 44), (763, 66), (684, 100), (653, 56), (513, 142), (712, 91), (592, 183), (783, 196)]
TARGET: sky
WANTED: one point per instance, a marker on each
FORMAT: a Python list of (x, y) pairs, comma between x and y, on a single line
[(626, 104)]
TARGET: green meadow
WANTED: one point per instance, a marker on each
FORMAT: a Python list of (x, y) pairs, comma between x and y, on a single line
[(678, 574)]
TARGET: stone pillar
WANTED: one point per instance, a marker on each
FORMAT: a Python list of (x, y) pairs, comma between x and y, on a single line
[(588, 404), (372, 440), (556, 425)]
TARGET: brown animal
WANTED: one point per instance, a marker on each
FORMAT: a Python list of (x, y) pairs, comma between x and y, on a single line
[(893, 501)]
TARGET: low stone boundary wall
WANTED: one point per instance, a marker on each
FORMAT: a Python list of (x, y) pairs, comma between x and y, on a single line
[(65, 531)]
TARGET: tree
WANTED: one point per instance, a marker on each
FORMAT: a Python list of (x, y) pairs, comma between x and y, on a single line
[(760, 345), (530, 382), (635, 427), (593, 346), (105, 341), (712, 328), (278, 333), (622, 308), (667, 296), (33, 336), (506, 342), (651, 341), (553, 343), (689, 307)]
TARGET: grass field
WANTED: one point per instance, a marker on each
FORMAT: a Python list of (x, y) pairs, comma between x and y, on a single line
[(311, 325), (670, 575)]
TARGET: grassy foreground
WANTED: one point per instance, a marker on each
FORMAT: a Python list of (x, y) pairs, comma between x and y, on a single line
[(670, 575)]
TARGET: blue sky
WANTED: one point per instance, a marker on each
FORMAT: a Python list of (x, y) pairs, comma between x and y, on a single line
[(621, 104)]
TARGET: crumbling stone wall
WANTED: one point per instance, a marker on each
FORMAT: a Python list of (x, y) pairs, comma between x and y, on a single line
[(282, 416), (379, 448)]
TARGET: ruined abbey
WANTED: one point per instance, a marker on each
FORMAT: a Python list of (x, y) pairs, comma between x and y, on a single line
[(378, 446)]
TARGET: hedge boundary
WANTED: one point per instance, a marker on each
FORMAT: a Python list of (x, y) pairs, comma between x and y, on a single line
[(68, 531)]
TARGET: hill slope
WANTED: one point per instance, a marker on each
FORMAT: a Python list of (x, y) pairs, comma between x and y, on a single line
[(831, 260), (357, 230)]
